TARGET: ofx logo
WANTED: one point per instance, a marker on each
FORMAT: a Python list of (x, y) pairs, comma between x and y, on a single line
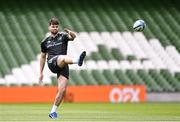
[(124, 95)]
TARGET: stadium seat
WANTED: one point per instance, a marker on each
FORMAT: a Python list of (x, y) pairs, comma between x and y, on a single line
[(96, 38), (117, 54), (91, 64), (161, 81), (111, 78), (11, 80), (151, 83), (105, 53), (101, 64), (147, 65), (108, 40), (122, 77), (124, 65), (123, 46), (3, 82), (29, 74), (164, 56), (99, 77), (88, 78), (96, 56), (20, 76), (77, 78), (113, 64), (71, 82), (171, 80), (4, 66), (86, 40), (174, 54), (134, 77), (136, 65), (128, 37)]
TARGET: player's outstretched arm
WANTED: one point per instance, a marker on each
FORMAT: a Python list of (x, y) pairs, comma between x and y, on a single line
[(71, 34), (42, 63)]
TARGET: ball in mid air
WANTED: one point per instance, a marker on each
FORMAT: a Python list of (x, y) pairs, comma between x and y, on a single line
[(139, 25)]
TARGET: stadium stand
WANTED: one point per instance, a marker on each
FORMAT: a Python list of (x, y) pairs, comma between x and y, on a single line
[(115, 53)]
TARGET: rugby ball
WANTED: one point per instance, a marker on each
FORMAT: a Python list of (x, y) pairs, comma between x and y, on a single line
[(139, 25)]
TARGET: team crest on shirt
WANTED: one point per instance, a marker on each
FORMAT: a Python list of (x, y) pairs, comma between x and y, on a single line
[(59, 38)]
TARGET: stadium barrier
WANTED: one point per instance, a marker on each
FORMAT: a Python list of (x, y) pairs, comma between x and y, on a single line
[(105, 93)]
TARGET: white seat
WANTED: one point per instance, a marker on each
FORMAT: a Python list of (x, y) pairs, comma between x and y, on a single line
[(82, 42), (35, 65), (139, 36), (136, 65), (19, 75), (124, 65), (79, 46), (10, 79), (29, 74), (86, 40), (96, 38), (130, 39), (123, 46), (102, 64), (150, 52), (144, 44), (35, 69), (2, 81), (109, 41), (170, 64), (174, 54), (158, 63), (147, 65), (91, 64), (47, 80), (114, 64), (72, 51)]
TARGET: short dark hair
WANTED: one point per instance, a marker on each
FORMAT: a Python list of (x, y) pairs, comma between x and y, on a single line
[(53, 21)]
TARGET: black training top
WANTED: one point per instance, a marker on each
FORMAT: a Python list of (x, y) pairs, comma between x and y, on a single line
[(55, 45)]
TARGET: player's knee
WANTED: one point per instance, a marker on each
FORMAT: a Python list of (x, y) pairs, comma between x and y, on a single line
[(61, 61), (61, 89)]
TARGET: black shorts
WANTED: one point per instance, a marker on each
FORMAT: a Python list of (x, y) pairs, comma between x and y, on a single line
[(52, 64)]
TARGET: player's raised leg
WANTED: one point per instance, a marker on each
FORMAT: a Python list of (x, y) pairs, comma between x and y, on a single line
[(64, 59)]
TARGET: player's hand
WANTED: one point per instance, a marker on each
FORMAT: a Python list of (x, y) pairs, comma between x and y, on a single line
[(71, 34), (41, 78), (66, 30)]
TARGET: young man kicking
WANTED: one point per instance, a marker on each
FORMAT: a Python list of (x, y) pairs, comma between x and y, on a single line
[(54, 46)]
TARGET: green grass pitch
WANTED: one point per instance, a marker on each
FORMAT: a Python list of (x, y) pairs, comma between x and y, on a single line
[(93, 112)]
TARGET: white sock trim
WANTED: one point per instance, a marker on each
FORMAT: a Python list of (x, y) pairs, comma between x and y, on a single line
[(54, 108)]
